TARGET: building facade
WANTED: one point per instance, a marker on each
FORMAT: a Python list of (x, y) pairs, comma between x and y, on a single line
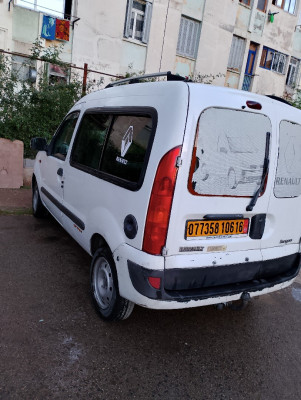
[(252, 45)]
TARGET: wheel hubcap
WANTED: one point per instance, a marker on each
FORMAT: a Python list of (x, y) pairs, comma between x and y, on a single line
[(103, 283)]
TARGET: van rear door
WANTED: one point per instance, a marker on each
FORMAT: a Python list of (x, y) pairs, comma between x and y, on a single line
[(283, 222), (223, 158)]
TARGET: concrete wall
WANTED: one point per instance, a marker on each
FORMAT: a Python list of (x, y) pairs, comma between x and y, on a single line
[(11, 163), (5, 26), (98, 38)]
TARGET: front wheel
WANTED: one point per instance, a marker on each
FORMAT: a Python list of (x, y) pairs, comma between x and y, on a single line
[(104, 288), (38, 209)]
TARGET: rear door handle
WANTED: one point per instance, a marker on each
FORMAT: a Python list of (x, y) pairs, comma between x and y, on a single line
[(60, 171)]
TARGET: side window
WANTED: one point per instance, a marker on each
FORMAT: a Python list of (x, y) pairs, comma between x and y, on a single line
[(127, 146), (138, 20), (288, 175), (90, 139), (61, 141)]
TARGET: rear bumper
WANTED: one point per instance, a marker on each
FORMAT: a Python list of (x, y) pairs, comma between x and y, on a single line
[(184, 285)]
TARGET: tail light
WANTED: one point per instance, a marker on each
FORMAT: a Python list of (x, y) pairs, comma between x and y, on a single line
[(159, 208)]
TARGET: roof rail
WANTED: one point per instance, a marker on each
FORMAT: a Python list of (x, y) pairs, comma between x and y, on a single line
[(136, 79), (271, 96)]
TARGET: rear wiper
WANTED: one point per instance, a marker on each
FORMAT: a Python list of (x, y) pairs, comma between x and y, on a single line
[(264, 173)]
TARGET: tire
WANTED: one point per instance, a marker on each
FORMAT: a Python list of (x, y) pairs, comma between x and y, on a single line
[(232, 179), (104, 288), (38, 209)]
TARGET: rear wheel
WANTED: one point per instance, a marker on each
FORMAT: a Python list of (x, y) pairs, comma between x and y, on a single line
[(38, 209), (104, 288)]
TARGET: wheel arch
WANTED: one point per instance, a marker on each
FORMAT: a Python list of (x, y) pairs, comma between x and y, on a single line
[(96, 242), (33, 181)]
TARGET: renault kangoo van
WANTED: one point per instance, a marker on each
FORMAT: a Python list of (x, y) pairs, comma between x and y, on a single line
[(184, 194)]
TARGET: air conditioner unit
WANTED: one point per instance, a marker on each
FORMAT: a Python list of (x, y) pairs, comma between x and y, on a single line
[(32, 75)]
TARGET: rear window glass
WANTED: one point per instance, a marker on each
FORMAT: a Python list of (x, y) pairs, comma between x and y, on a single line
[(288, 175), (90, 139), (228, 153), (126, 147), (115, 145)]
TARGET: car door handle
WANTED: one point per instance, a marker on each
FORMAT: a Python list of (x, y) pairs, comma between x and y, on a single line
[(60, 171)]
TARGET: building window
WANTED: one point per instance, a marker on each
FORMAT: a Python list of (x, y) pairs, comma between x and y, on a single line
[(246, 2), (273, 60), (24, 68), (293, 72), (55, 7), (57, 73), (188, 39), (237, 52), (286, 5), (138, 20), (261, 5)]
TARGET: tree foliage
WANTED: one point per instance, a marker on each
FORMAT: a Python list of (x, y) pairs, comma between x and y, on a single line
[(34, 110)]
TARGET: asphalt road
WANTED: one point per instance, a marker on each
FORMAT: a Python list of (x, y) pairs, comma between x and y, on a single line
[(54, 346)]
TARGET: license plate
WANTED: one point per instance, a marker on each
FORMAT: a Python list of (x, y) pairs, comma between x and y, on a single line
[(227, 227)]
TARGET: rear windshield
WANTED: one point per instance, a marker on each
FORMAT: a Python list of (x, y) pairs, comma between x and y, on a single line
[(288, 175), (228, 153)]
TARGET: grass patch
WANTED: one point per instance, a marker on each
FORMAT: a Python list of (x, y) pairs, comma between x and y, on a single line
[(18, 211)]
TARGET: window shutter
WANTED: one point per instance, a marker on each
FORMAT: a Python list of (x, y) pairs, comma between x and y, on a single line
[(236, 53), (180, 38), (147, 22), (188, 38), (128, 19)]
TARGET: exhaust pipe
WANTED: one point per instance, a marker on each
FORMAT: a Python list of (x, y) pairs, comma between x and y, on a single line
[(237, 305)]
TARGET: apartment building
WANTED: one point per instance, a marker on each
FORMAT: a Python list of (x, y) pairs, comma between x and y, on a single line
[(252, 45)]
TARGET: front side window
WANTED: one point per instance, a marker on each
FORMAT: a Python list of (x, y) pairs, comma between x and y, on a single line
[(189, 35), (61, 141), (288, 174), (286, 5), (229, 153), (138, 19)]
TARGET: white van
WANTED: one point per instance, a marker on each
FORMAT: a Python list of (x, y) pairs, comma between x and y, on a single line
[(184, 194)]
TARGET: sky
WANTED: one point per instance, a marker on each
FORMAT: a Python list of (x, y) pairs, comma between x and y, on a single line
[(56, 7)]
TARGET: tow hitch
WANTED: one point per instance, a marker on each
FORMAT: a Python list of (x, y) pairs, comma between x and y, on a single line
[(237, 305)]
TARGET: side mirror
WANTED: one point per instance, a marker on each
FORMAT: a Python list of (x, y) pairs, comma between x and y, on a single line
[(39, 144)]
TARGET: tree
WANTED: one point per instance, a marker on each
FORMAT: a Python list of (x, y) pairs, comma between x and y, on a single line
[(34, 110)]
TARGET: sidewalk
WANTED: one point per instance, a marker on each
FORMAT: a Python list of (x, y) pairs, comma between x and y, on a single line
[(15, 200)]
